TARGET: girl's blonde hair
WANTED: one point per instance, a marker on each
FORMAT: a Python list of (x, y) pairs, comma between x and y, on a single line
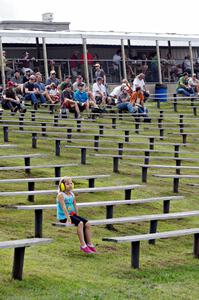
[(62, 181)]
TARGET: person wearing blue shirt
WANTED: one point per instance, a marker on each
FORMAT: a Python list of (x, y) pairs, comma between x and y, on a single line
[(81, 97)]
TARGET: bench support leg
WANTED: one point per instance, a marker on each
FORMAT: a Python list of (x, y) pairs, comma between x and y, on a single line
[(31, 187), (57, 147), (115, 164), (34, 140), (120, 149), (127, 194), (38, 223), (175, 184), (5, 133), (166, 206), (91, 182), (57, 173), (27, 164), (69, 135), (135, 254), (153, 229), (151, 143), (144, 174), (79, 122), (126, 136), (17, 270), (113, 123), (196, 245), (83, 156), (109, 215)]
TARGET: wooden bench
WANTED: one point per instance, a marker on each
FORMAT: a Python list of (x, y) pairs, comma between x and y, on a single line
[(137, 219), (38, 209), (31, 181), (176, 179), (136, 239), (147, 157), (19, 252), (28, 168), (26, 157), (126, 188), (145, 168), (7, 146)]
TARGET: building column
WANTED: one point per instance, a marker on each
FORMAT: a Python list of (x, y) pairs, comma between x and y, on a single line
[(45, 58), (3, 78), (85, 62), (159, 64), (123, 59), (191, 57)]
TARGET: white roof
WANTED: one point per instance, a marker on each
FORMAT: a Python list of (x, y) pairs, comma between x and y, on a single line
[(98, 38)]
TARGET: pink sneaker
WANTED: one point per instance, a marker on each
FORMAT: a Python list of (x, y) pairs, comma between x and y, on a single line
[(86, 249), (93, 249)]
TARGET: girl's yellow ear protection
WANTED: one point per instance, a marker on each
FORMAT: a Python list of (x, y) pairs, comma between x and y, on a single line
[(62, 187), (73, 185)]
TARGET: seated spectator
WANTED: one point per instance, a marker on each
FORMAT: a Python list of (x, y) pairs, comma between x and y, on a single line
[(194, 83), (137, 100), (52, 78), (68, 103), (17, 78), (183, 86), (81, 97), (54, 94), (99, 92), (79, 79), (64, 83), (123, 102), (10, 99), (31, 91), (26, 76), (116, 91), (42, 92), (139, 82)]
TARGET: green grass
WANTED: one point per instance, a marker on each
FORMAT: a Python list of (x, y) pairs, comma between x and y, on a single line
[(59, 270)]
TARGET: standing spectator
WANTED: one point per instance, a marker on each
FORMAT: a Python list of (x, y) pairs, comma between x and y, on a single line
[(139, 81), (186, 65), (117, 63), (8, 70), (74, 63), (90, 64), (99, 72)]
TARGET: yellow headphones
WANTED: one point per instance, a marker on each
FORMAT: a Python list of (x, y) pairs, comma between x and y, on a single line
[(62, 186)]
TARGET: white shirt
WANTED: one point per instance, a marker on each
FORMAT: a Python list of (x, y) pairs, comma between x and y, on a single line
[(98, 88), (137, 82), (116, 91)]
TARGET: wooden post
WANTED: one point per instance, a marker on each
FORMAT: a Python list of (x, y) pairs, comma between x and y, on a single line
[(85, 62), (3, 77), (159, 64), (83, 155), (45, 58), (191, 57), (18, 262), (38, 223), (135, 254), (109, 215), (153, 229), (123, 59), (31, 187)]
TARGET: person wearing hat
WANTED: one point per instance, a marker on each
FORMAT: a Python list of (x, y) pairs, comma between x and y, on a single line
[(53, 79), (79, 79), (17, 78), (68, 103), (10, 99), (99, 72), (183, 86)]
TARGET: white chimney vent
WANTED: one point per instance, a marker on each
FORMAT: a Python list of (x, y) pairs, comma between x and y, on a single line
[(47, 17)]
